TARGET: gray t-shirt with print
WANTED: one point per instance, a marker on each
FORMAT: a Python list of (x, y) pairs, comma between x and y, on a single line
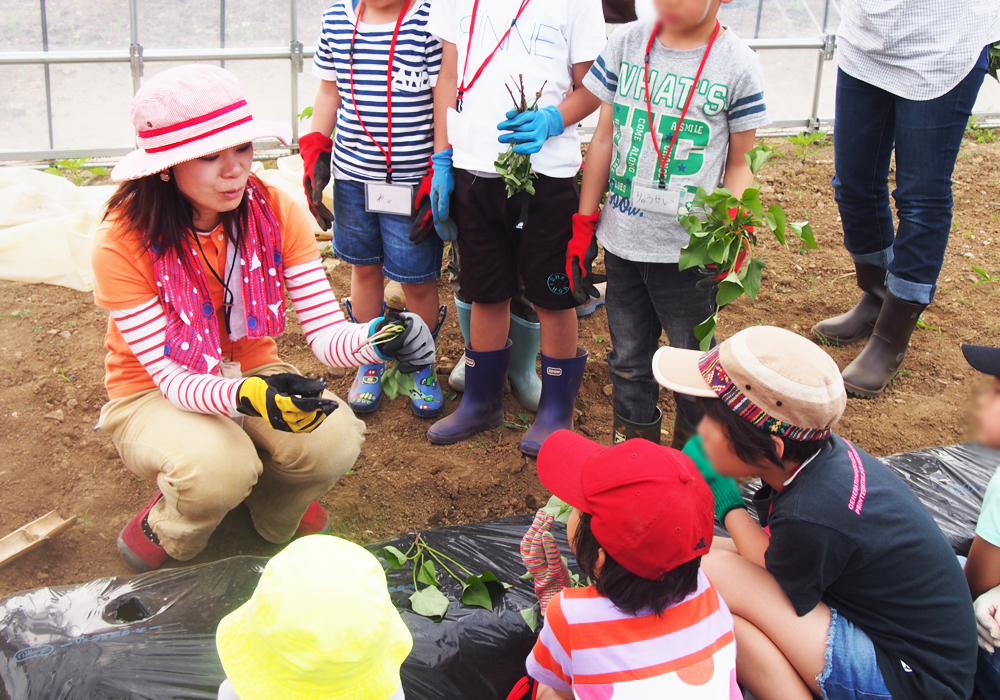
[(729, 99)]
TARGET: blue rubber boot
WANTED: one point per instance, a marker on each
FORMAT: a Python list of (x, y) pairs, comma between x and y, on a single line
[(522, 374), (561, 379), (427, 399), (456, 380), (481, 407), (365, 394)]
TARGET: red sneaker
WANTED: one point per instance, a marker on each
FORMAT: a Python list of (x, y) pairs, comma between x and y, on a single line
[(138, 544), (316, 521)]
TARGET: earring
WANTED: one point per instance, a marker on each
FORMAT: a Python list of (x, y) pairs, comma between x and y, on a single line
[(165, 176)]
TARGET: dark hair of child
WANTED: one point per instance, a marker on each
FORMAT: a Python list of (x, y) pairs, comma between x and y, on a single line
[(631, 593), (753, 445)]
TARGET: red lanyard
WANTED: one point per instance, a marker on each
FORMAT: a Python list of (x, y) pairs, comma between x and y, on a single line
[(388, 84), (463, 88), (665, 160)]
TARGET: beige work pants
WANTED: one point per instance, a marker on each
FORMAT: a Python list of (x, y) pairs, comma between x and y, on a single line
[(207, 465)]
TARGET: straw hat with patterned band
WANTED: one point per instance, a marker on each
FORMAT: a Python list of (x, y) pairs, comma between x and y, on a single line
[(190, 112), (774, 379), (319, 626)]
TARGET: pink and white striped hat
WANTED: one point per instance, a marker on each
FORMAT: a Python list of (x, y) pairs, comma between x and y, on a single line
[(189, 112)]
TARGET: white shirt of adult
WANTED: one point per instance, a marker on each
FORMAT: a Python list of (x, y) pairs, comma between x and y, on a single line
[(548, 39), (915, 49)]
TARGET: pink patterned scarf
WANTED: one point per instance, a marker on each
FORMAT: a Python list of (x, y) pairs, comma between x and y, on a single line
[(192, 325)]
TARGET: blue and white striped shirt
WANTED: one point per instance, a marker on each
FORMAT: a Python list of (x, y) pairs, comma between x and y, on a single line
[(415, 69)]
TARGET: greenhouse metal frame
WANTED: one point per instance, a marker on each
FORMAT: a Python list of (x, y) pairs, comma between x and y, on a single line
[(295, 53)]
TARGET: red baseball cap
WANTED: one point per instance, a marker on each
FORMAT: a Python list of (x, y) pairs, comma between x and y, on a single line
[(650, 507)]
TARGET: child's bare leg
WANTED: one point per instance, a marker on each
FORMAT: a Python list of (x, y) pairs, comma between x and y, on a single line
[(559, 332), (366, 292), (752, 594), (763, 669), (490, 325), (422, 299)]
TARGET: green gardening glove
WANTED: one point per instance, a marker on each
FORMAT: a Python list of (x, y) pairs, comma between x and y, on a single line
[(726, 492)]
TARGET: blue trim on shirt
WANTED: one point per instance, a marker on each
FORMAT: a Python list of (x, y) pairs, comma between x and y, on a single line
[(747, 100), (756, 109)]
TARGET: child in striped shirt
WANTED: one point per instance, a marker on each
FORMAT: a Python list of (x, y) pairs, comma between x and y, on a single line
[(379, 67), (651, 625)]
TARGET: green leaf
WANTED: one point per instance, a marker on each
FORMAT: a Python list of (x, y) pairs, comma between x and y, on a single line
[(428, 574), (429, 602), (757, 156), (558, 509), (752, 279), (775, 219), (395, 558), (695, 253), (718, 249), (729, 292), (530, 616), (476, 594), (751, 200), (981, 272), (526, 576), (804, 231), (705, 330), (719, 196)]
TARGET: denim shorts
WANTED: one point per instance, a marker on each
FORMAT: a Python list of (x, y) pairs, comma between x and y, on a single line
[(364, 238), (851, 671)]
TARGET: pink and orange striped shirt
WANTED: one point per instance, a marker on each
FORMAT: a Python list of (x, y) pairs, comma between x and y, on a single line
[(596, 651)]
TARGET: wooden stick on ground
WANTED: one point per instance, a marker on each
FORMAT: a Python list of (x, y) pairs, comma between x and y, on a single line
[(32, 536)]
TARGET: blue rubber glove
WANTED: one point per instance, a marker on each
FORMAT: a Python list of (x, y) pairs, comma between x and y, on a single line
[(442, 185), (726, 492), (531, 129)]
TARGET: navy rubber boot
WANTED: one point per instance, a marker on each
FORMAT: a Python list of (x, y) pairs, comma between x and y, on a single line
[(481, 407), (561, 379), (456, 380)]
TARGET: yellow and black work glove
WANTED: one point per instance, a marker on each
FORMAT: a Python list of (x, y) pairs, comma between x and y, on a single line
[(286, 401)]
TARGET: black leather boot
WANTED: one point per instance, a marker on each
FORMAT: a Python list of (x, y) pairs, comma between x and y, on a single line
[(872, 370), (627, 430), (858, 323)]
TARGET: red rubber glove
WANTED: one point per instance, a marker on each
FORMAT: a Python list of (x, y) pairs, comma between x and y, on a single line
[(423, 220), (316, 151), (576, 254)]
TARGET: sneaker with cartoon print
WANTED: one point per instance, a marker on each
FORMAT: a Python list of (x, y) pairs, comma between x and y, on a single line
[(365, 394), (427, 399)]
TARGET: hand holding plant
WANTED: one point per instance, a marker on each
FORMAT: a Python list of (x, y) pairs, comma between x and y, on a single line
[(514, 166), (723, 231)]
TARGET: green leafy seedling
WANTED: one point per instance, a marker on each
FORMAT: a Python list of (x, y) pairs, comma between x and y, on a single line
[(395, 558), (515, 168), (76, 170), (305, 114), (806, 144), (723, 236), (985, 277)]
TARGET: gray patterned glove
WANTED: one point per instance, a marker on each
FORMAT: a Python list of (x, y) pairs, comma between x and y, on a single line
[(414, 348)]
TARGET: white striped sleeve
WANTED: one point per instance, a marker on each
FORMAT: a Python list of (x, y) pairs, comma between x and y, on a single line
[(335, 341), (145, 330)]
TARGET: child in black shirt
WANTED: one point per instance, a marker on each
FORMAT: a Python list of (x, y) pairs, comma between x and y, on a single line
[(847, 588)]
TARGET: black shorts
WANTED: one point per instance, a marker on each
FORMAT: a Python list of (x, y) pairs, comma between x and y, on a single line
[(494, 251)]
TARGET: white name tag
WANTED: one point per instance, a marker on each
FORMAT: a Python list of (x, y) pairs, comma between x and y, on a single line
[(459, 131), (653, 199), (383, 198)]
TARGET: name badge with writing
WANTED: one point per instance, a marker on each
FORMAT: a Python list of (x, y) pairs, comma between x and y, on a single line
[(383, 198), (648, 196)]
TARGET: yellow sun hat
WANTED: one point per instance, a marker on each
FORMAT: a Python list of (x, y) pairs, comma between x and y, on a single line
[(319, 626)]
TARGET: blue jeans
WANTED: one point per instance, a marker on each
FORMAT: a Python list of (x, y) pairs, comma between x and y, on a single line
[(644, 300), (988, 675), (851, 671), (926, 136), (364, 238)]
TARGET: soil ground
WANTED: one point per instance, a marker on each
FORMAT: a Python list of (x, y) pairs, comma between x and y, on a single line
[(51, 392)]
